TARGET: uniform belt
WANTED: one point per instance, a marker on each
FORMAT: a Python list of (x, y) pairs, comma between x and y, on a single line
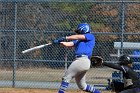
[(80, 56)]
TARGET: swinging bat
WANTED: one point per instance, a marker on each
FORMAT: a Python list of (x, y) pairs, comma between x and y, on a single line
[(36, 47)]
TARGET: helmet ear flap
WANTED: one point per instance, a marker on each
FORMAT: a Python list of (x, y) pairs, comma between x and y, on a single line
[(77, 31)]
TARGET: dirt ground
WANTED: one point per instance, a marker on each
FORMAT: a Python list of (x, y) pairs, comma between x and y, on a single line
[(94, 76), (21, 90)]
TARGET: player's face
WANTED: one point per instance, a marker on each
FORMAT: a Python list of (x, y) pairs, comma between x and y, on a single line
[(130, 65)]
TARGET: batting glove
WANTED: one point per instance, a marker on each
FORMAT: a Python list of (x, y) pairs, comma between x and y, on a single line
[(61, 39), (57, 41)]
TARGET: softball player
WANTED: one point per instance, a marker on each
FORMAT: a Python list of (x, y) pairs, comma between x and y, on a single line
[(84, 43), (131, 81)]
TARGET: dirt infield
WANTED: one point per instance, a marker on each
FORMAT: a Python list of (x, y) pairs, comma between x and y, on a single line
[(21, 90)]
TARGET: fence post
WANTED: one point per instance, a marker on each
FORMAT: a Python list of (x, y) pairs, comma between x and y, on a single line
[(66, 59), (15, 30), (122, 25)]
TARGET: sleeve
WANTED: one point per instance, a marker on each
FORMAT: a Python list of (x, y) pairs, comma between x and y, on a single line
[(114, 66), (89, 36), (75, 42)]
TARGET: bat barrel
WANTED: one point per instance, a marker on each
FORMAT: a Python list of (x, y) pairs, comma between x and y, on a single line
[(34, 48)]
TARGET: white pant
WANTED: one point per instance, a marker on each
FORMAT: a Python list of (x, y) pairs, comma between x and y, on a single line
[(77, 70)]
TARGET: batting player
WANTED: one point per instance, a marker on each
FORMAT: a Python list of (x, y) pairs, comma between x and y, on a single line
[(84, 43)]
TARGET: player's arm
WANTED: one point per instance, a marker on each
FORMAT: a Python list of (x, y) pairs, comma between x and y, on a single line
[(76, 37), (72, 37), (114, 66), (67, 44)]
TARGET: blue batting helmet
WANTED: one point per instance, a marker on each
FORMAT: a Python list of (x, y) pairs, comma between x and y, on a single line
[(83, 28)]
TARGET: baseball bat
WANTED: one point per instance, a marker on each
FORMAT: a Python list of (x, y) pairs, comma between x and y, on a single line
[(36, 47)]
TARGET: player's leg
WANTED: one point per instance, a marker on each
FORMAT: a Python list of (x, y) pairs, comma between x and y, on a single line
[(77, 66), (81, 82), (63, 86), (65, 81), (70, 73)]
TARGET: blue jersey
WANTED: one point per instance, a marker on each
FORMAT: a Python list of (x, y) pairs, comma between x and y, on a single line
[(85, 47)]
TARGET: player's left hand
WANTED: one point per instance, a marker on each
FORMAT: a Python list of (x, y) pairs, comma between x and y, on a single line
[(57, 41)]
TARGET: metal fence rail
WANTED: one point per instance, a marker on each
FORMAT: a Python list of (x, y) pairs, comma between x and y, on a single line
[(28, 23)]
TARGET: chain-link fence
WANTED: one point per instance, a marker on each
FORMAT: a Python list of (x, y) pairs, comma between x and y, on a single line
[(28, 23)]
